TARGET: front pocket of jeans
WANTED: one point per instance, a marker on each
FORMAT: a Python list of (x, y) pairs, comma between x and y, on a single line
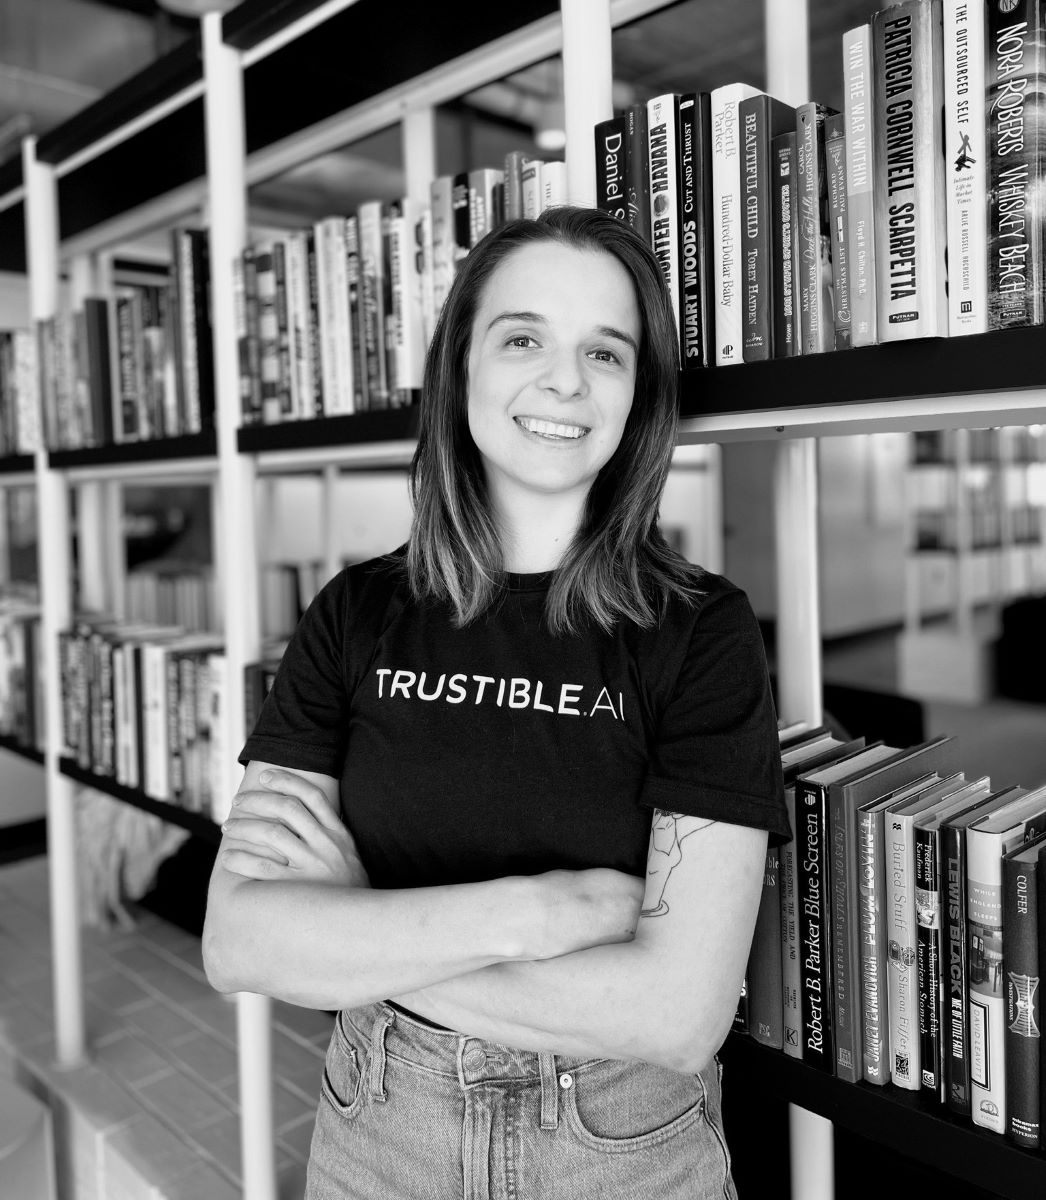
[(342, 1083), (632, 1108)]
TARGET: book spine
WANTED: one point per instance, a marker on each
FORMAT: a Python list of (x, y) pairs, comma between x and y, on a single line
[(1015, 68), (486, 186), (955, 1037), (268, 333), (835, 158), (662, 143), (928, 957), (285, 390), (765, 1000), (910, 211), (786, 331), (902, 1002), (860, 217), (342, 398), (791, 974), (815, 241), (218, 710), (726, 219), (871, 916), (753, 119), (611, 194), (846, 989), (696, 268), (442, 239), (530, 187), (371, 256), (513, 202), (637, 170), (987, 1008), (965, 166), (1020, 970), (360, 394), (815, 993)]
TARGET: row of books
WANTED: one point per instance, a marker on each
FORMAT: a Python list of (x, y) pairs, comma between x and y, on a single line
[(335, 318), (133, 366), (900, 932), (788, 230), (981, 528), (21, 673), (19, 385), (1005, 444)]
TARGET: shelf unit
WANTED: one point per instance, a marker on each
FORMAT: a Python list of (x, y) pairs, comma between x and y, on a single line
[(220, 103)]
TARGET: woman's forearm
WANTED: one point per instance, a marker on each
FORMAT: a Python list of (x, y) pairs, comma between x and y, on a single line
[(328, 946)]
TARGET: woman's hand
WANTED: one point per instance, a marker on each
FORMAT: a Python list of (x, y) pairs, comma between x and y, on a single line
[(287, 829)]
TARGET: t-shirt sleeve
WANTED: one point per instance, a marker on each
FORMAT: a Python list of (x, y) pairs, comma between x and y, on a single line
[(717, 753), (303, 723)]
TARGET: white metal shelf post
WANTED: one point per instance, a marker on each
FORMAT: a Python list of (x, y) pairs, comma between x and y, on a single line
[(55, 566), (587, 89), (798, 646), (237, 559)]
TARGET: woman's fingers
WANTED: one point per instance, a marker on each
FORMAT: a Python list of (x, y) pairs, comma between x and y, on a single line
[(263, 834), (313, 798), (252, 865)]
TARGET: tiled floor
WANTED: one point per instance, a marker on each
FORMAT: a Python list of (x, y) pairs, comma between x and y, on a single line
[(154, 1114)]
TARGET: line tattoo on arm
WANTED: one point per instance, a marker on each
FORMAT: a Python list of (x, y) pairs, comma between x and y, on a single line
[(667, 834)]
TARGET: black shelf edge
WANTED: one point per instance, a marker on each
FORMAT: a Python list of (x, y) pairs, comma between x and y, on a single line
[(11, 176), (16, 464), (23, 751), (909, 1123), (193, 445), (196, 823), (383, 425), (1001, 360), (173, 72)]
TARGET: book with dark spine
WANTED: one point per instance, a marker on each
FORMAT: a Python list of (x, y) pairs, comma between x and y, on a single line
[(787, 335), (760, 118), (910, 212), (611, 190), (637, 170), (662, 149), (696, 254), (1015, 73)]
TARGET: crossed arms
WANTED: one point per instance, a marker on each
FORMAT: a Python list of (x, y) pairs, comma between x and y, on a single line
[(573, 962)]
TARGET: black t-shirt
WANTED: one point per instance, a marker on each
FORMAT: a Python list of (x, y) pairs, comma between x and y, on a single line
[(500, 749)]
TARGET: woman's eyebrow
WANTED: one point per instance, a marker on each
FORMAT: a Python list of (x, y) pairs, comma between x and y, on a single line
[(532, 318)]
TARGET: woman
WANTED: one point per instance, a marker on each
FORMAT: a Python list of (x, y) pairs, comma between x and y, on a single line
[(477, 747)]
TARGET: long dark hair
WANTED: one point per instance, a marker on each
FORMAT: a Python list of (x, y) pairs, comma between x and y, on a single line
[(618, 564)]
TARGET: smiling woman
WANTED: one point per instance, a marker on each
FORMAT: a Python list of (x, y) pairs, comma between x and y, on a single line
[(507, 804)]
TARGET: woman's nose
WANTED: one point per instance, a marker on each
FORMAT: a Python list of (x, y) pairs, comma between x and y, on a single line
[(564, 373)]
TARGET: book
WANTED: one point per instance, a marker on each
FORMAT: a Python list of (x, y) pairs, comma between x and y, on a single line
[(553, 184), (513, 194), (443, 256), (1021, 972), (765, 984), (903, 999), (611, 190), (406, 319), (835, 155), (726, 220), (637, 169), (987, 841), (371, 216), (486, 201), (696, 253), (532, 196), (928, 910), (787, 336), (816, 300), (910, 216), (662, 150), (1015, 71), (867, 945), (760, 118), (965, 162), (858, 110)]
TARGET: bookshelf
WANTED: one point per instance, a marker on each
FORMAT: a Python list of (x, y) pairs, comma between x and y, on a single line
[(212, 120)]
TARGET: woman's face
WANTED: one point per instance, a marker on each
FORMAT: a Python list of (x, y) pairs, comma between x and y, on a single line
[(551, 369)]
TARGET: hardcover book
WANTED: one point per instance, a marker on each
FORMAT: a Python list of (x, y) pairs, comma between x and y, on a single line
[(696, 253), (966, 166), (761, 118), (787, 335), (835, 155), (816, 300), (910, 211), (1015, 74), (860, 218), (726, 220), (637, 169), (611, 189), (662, 150)]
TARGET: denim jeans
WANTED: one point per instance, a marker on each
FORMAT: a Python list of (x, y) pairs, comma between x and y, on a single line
[(409, 1112)]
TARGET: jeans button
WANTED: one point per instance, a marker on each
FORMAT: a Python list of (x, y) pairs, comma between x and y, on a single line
[(566, 1081), (475, 1059)]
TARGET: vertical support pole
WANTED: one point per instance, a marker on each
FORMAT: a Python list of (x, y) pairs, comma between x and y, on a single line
[(331, 547), (787, 40), (587, 89), (236, 547), (715, 553), (418, 131), (964, 549), (55, 565)]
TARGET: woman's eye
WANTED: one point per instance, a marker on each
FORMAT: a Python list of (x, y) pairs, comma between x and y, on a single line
[(607, 356), (522, 341)]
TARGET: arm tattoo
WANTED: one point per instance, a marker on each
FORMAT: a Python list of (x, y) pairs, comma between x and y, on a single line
[(666, 852)]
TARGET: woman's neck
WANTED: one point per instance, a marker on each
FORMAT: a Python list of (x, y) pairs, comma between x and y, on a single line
[(537, 530)]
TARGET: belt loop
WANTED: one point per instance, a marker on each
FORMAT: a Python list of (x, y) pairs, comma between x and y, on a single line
[(376, 1065), (549, 1091)]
